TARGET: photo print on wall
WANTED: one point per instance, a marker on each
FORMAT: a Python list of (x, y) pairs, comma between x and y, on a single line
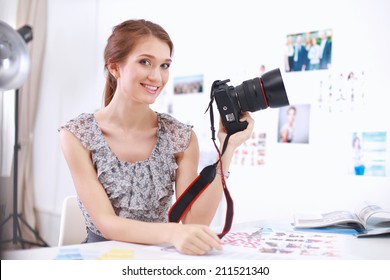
[(294, 121), (343, 92), (188, 84), (308, 51), (253, 151), (369, 153)]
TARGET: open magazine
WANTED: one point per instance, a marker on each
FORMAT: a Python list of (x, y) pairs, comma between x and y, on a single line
[(369, 219)]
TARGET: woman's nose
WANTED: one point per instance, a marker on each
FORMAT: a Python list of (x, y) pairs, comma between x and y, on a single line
[(155, 74)]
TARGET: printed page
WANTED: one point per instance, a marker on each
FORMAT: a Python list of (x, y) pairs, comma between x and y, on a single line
[(270, 243), (373, 215), (335, 218)]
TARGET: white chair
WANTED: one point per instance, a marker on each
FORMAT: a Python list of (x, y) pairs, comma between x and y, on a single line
[(72, 227)]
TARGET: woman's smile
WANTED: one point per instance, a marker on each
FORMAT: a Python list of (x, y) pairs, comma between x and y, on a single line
[(149, 88)]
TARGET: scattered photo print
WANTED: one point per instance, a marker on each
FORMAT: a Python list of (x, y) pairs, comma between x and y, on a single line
[(300, 243)]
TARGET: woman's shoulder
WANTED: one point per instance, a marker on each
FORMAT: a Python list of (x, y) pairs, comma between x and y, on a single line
[(169, 122), (177, 133), (85, 128), (80, 120)]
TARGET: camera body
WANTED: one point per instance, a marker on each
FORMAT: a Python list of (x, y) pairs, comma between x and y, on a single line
[(228, 108), (252, 95)]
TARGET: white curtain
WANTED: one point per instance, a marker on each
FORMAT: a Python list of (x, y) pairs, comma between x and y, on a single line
[(34, 14)]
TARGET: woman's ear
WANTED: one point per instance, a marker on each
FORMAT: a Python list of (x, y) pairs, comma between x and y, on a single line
[(113, 69)]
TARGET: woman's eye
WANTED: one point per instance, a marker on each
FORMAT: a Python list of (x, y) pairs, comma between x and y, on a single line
[(145, 62), (165, 65)]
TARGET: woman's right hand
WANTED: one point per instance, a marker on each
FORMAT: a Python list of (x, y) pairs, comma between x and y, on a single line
[(194, 239)]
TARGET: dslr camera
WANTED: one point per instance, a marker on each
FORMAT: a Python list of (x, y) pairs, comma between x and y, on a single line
[(252, 95)]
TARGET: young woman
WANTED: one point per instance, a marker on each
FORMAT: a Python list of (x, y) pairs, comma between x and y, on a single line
[(126, 160), (287, 130)]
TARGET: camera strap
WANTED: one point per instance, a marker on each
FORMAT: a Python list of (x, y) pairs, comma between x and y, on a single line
[(204, 179)]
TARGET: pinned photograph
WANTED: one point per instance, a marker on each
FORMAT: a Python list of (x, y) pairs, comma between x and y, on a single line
[(188, 84), (308, 51), (294, 123), (369, 153)]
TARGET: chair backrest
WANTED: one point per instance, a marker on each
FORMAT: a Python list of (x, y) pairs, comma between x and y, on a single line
[(72, 227)]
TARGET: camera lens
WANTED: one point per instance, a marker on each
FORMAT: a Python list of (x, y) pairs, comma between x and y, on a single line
[(274, 90), (261, 93), (250, 96)]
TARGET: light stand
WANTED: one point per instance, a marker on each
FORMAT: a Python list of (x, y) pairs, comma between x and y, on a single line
[(14, 51), (15, 216)]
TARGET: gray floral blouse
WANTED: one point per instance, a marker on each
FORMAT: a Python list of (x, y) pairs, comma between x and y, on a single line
[(142, 190)]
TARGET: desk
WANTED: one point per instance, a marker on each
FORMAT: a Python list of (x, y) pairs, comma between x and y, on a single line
[(240, 244)]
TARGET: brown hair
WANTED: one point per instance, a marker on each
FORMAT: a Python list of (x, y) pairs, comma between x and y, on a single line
[(122, 41)]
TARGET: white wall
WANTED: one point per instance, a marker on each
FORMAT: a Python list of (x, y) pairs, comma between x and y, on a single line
[(223, 39)]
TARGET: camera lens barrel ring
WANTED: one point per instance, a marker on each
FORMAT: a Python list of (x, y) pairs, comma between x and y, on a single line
[(251, 96)]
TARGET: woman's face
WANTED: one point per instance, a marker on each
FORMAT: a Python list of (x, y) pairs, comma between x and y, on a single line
[(291, 116), (145, 72)]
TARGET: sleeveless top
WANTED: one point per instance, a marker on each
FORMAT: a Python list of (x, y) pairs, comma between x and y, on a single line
[(141, 190)]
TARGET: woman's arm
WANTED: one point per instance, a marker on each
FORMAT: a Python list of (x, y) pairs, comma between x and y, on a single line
[(95, 200), (204, 208)]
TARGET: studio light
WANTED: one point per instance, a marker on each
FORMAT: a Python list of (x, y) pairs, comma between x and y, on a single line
[(14, 57)]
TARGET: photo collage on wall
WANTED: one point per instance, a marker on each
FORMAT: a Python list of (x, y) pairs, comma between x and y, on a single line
[(322, 90), (339, 93)]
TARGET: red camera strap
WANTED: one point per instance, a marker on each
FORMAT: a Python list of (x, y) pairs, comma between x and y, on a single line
[(188, 197), (194, 190), (204, 179)]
